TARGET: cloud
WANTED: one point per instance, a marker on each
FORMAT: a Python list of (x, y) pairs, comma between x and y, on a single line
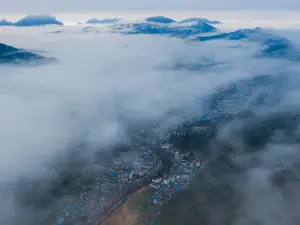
[(99, 81), (103, 21)]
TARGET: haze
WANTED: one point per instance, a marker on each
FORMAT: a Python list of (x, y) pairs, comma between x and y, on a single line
[(92, 5)]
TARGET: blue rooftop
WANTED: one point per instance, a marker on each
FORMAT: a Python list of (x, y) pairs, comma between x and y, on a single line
[(113, 174)]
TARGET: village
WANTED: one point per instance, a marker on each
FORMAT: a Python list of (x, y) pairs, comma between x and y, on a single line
[(164, 188), (123, 177)]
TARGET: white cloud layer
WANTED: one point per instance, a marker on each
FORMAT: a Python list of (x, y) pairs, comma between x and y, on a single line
[(98, 78)]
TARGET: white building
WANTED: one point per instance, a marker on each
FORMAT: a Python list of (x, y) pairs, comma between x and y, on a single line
[(131, 175), (177, 155), (186, 176), (167, 180), (198, 129), (166, 146), (157, 180), (142, 173), (117, 162)]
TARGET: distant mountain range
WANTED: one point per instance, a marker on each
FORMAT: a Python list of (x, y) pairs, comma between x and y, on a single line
[(166, 26), (235, 35), (39, 20), (33, 20), (5, 23), (203, 20), (12, 55), (159, 19), (162, 29), (272, 44), (162, 19)]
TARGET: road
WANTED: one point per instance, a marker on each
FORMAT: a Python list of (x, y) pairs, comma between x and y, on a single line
[(100, 220)]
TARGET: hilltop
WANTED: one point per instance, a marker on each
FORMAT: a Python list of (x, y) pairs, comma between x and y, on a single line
[(37, 20)]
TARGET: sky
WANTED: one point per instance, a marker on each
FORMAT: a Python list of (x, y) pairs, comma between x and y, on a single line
[(232, 19), (37, 6)]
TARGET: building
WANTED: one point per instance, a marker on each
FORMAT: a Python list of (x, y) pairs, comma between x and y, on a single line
[(166, 146), (198, 129), (131, 175), (117, 162), (177, 155), (157, 180), (167, 180), (142, 173), (185, 176)]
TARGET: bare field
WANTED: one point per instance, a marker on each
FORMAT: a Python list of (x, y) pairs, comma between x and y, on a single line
[(122, 215)]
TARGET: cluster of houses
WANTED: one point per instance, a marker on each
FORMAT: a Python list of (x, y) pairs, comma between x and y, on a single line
[(179, 177), (110, 186)]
